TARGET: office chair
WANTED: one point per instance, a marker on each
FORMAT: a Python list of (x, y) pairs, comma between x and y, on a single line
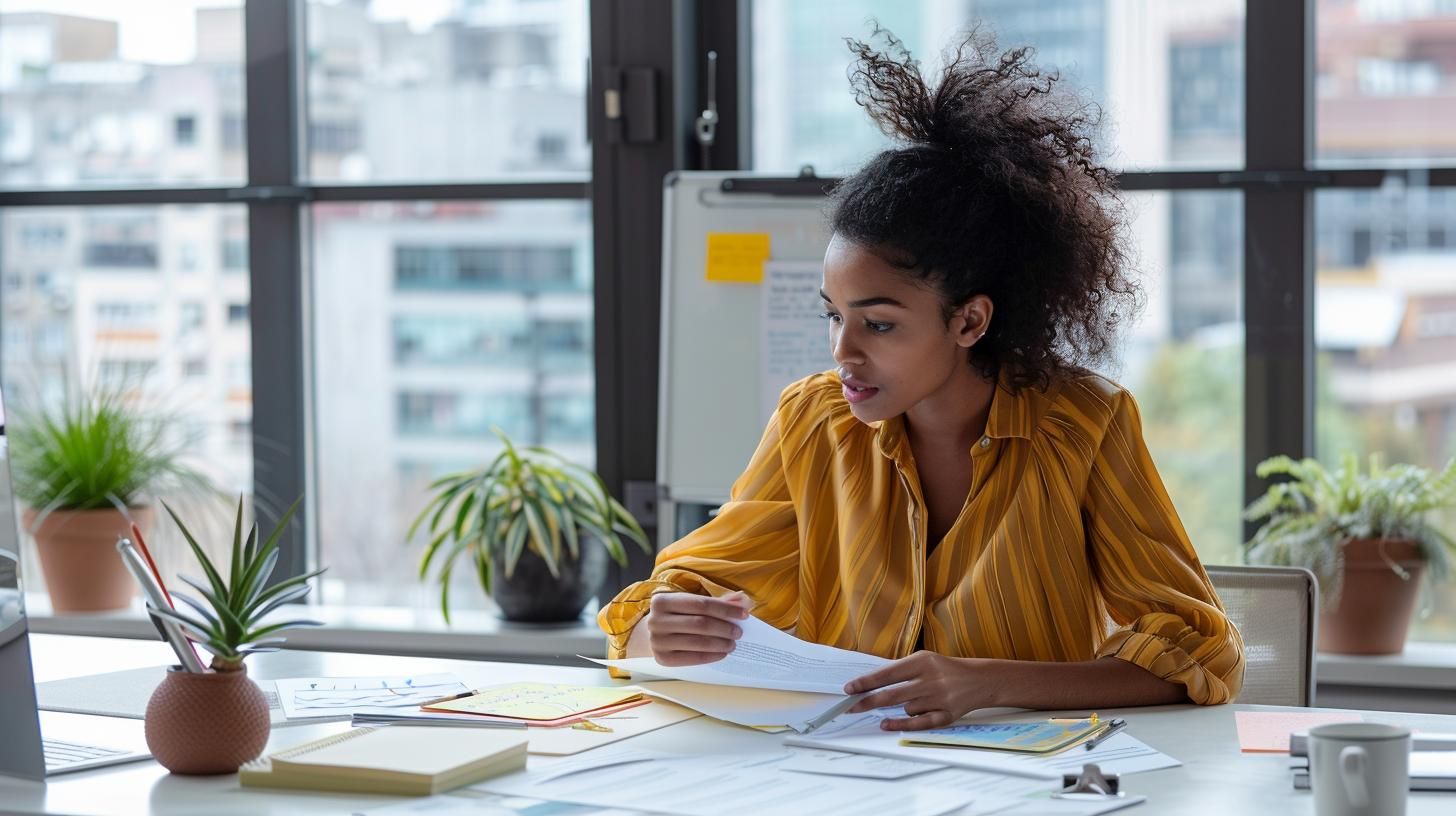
[(1276, 610)]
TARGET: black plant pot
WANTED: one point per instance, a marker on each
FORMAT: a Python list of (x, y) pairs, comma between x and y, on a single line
[(533, 595)]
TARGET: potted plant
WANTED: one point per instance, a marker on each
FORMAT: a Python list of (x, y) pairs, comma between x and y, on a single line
[(535, 527), (1365, 536), (213, 722), (85, 472)]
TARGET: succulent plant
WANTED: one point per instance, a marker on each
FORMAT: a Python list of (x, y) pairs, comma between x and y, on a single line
[(230, 625)]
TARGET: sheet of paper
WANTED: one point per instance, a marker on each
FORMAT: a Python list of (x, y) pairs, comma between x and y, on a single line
[(471, 803), (737, 257), (861, 734), (766, 658), (727, 785), (838, 763), (1268, 731), (793, 338), (752, 707), (310, 697)]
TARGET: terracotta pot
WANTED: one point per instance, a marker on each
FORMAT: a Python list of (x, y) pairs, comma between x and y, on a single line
[(77, 548), (1375, 606), (206, 723)]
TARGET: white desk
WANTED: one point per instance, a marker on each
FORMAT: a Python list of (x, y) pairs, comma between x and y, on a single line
[(1215, 778)]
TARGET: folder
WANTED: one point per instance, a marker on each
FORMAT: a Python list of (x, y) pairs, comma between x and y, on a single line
[(402, 760), (1030, 738)]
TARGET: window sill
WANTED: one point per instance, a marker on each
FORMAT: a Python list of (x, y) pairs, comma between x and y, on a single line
[(473, 634), (1421, 666)]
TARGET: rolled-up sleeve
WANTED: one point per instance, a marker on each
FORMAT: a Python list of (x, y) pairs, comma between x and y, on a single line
[(1168, 617), (751, 545)]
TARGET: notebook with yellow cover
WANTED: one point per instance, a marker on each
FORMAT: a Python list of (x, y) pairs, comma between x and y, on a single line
[(404, 760), (1031, 738)]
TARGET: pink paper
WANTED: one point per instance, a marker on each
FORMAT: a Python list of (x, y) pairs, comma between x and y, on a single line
[(1268, 731)]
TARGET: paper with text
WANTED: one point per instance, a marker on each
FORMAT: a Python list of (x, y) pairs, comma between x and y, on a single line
[(769, 659), (727, 785), (307, 697), (793, 337), (861, 734)]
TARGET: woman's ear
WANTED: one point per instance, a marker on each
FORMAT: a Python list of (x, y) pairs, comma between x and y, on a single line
[(971, 320)]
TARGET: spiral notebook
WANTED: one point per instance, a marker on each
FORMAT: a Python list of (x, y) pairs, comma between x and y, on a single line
[(404, 760)]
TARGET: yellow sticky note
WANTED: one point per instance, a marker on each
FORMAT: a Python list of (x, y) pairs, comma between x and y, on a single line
[(737, 257)]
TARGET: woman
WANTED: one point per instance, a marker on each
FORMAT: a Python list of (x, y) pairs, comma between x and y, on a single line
[(960, 493)]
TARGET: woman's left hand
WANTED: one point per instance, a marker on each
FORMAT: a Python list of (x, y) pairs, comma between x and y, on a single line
[(936, 690)]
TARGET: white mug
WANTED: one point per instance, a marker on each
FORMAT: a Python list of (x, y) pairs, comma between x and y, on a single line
[(1359, 769)]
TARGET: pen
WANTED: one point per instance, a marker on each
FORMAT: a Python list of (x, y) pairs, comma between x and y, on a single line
[(834, 711), (152, 565), (447, 698), (1113, 726)]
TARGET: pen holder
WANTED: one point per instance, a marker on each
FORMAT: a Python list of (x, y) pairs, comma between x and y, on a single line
[(206, 723)]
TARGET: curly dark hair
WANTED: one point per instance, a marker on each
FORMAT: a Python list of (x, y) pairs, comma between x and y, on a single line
[(992, 188)]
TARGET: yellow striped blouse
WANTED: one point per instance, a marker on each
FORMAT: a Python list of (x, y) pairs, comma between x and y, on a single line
[(1068, 547)]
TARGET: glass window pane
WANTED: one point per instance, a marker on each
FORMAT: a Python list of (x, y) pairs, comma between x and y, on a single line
[(447, 91), (1385, 331), (435, 323), (1385, 87), (100, 298), (1168, 76), (96, 92), (1184, 359)]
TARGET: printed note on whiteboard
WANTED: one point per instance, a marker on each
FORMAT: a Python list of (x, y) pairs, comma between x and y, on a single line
[(793, 338)]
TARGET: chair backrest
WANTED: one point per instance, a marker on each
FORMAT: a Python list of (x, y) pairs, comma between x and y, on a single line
[(1275, 610)]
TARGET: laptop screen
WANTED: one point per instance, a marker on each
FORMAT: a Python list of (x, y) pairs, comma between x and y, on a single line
[(20, 750)]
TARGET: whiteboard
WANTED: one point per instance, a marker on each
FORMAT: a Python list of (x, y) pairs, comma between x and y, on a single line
[(710, 402)]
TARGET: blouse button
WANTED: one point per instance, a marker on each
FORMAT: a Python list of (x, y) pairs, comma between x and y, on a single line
[(985, 441)]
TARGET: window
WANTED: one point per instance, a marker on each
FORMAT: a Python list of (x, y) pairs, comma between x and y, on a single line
[(190, 316), (1385, 332), (435, 323), (90, 90), (114, 327), (1386, 80), (1167, 76), (121, 239), (489, 75), (237, 313), (184, 131)]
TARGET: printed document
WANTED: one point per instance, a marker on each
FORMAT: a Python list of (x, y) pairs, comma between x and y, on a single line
[(768, 659), (724, 785), (310, 697)]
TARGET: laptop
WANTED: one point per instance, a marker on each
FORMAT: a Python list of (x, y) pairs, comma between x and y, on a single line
[(23, 750)]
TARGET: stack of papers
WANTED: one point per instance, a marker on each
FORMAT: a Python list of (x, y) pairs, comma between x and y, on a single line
[(767, 658), (861, 734)]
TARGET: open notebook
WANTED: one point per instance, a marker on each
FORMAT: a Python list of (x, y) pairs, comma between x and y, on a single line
[(399, 759)]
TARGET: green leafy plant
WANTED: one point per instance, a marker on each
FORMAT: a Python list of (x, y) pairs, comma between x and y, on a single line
[(526, 498), (230, 625), (95, 452), (1308, 517)]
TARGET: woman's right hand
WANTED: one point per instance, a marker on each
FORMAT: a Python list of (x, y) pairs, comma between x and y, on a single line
[(684, 629)]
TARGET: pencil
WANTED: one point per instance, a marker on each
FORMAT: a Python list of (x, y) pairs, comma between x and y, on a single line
[(152, 565)]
